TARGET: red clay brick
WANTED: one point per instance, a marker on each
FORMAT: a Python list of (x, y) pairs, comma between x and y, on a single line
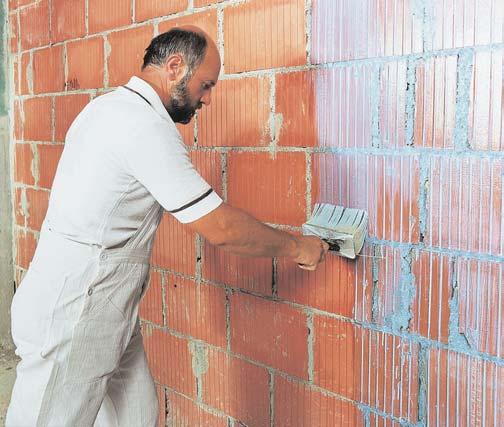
[(85, 64), (481, 298), (458, 23), (465, 209), (298, 405), (162, 405), (38, 200), (34, 22), (187, 133), (196, 310), (386, 186), (23, 164), (296, 103), (207, 21), (237, 388), (170, 361), (463, 388), (25, 248), (338, 286), (185, 412), (37, 124), (151, 307), (260, 35), (430, 308), (13, 4), (271, 333), (344, 118), (485, 109), (393, 104), (343, 30), (48, 70), (127, 51), (271, 189), (146, 9), (435, 93), (238, 114), (208, 164), (253, 274), (15, 71), (68, 19), (13, 32), (49, 156), (66, 110), (25, 66), (374, 368), (106, 15), (174, 247)]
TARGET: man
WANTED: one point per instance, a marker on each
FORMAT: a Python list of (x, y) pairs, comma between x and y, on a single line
[(75, 316)]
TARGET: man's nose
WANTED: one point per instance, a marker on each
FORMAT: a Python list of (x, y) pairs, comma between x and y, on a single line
[(206, 98)]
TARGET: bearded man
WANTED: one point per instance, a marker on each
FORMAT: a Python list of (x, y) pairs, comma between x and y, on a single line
[(75, 316)]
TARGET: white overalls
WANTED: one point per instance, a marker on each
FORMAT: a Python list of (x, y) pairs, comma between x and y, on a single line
[(75, 316)]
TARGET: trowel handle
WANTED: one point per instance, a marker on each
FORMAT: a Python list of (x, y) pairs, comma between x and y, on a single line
[(333, 246)]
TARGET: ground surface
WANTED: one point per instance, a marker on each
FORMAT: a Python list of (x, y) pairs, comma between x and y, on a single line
[(8, 363)]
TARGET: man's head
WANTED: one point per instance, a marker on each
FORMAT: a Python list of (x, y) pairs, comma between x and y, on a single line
[(183, 64)]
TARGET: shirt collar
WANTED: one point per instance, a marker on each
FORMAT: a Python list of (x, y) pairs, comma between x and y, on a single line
[(146, 90)]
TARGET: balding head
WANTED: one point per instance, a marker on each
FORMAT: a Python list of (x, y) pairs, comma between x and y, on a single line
[(182, 65)]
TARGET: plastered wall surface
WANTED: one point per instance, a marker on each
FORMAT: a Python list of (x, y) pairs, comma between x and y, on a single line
[(394, 106)]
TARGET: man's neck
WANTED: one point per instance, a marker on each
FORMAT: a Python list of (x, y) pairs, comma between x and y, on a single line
[(153, 79)]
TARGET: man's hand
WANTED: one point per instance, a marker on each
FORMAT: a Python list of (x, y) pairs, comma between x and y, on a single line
[(312, 252)]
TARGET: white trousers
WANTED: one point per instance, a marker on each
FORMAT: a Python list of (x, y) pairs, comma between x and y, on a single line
[(75, 326)]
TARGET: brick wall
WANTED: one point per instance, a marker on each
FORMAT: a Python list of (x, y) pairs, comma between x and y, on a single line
[(390, 105)]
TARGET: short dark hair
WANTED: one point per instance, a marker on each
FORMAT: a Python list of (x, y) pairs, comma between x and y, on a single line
[(190, 44)]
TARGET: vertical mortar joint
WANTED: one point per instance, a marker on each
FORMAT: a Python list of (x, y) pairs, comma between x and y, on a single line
[(465, 62), (456, 338)]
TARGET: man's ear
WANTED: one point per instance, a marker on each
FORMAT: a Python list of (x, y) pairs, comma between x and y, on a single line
[(175, 67)]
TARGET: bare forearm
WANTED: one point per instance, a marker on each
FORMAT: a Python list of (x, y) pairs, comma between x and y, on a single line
[(249, 237)]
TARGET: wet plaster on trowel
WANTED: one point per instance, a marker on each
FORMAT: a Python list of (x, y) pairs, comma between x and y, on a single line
[(199, 354)]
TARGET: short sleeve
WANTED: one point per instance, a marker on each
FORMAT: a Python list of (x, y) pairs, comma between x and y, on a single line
[(159, 160)]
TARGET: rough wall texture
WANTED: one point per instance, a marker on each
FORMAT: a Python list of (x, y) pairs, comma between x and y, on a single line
[(390, 105)]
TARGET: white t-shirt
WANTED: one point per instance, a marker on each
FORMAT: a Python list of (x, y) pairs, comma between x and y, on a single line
[(123, 153)]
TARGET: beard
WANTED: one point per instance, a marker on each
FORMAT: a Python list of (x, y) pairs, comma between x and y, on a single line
[(180, 107)]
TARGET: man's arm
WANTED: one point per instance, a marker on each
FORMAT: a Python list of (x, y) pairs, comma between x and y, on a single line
[(236, 231)]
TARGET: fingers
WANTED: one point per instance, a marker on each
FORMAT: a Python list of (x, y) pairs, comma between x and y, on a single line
[(307, 267)]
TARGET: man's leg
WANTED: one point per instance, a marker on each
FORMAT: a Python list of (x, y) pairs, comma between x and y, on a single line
[(131, 395)]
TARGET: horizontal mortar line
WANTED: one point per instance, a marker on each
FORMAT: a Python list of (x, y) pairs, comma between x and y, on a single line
[(403, 151), (21, 186), (411, 150), (409, 336), (18, 227), (202, 405), (36, 142), (274, 371), (442, 251), (366, 61), (250, 148)]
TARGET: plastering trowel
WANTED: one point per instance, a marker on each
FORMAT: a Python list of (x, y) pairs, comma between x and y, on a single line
[(344, 229)]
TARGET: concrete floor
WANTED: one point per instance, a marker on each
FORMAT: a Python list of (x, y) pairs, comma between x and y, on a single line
[(8, 363)]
